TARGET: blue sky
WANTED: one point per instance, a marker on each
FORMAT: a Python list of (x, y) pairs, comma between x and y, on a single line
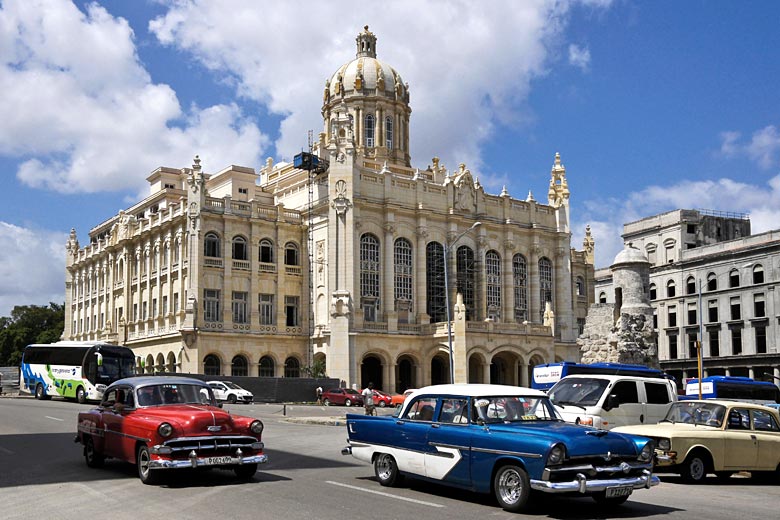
[(652, 105)]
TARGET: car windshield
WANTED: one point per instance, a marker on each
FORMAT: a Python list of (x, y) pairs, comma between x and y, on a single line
[(515, 409), (167, 394), (579, 391), (231, 384), (696, 412)]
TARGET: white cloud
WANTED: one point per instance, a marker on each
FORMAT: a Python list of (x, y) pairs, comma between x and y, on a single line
[(83, 113), (761, 202), (32, 267), (579, 57), (468, 67), (763, 147)]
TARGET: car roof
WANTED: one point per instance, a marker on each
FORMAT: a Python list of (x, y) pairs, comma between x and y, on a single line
[(616, 377), (730, 402), (140, 381), (477, 390)]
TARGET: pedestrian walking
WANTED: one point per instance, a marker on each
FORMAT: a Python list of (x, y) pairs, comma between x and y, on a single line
[(368, 399), (319, 395)]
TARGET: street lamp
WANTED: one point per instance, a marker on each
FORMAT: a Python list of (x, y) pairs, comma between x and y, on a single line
[(447, 247)]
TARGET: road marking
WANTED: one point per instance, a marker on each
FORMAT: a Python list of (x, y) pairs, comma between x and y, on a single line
[(7, 452), (421, 502), (54, 418)]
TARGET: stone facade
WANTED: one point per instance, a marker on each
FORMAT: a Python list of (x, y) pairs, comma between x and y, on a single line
[(343, 264)]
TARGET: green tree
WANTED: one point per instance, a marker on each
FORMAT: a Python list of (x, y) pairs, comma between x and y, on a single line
[(316, 370), (29, 324)]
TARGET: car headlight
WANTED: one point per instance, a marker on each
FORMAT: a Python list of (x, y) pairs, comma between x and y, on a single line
[(647, 452), (165, 430), (557, 454), (664, 444), (256, 427)]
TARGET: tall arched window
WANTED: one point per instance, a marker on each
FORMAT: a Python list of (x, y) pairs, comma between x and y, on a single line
[(712, 282), (211, 245), (733, 278), (266, 251), (520, 281), (238, 367), (758, 274), (369, 126), (466, 279), (212, 366), (369, 276), (292, 367), (493, 284), (670, 289), (266, 367), (389, 133), (434, 282), (690, 285), (580, 286), (291, 256), (653, 292), (240, 251), (402, 258), (545, 285), (602, 297)]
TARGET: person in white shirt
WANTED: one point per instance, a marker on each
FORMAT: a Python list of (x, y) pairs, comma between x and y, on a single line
[(368, 399)]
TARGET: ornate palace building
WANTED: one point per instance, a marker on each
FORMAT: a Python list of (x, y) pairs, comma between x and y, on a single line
[(349, 259)]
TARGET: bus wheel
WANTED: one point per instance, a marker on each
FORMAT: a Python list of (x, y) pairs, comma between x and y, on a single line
[(81, 395), (39, 393)]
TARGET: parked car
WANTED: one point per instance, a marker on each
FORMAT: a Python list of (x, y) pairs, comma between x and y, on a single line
[(710, 436), (382, 399), (400, 398), (168, 422), (502, 439), (230, 392), (342, 396)]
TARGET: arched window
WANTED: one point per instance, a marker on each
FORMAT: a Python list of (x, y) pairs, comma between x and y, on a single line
[(580, 286), (545, 285), (758, 274), (266, 367), (653, 292), (712, 282), (369, 276), (670, 289), (690, 285), (212, 366), (211, 245), (466, 279), (238, 367), (389, 133), (520, 281), (176, 248), (240, 251), (369, 126), (493, 284), (602, 297), (266, 251), (166, 254), (120, 270), (434, 282), (733, 278), (292, 367), (402, 259), (291, 256)]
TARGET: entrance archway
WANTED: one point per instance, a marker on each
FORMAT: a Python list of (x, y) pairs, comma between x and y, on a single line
[(371, 372), (405, 375), (440, 370)]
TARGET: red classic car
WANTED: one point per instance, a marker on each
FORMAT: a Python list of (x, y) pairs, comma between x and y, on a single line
[(168, 422)]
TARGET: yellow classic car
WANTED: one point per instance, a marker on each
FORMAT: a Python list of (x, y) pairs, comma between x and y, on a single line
[(721, 437)]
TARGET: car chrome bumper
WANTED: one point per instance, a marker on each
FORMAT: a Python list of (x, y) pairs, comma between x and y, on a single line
[(196, 462), (346, 450), (583, 485)]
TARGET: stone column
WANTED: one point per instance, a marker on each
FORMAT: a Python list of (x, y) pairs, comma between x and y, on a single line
[(460, 360), (534, 309), (420, 278), (507, 284), (388, 294)]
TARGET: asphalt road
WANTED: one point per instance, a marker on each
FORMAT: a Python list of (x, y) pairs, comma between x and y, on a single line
[(43, 475)]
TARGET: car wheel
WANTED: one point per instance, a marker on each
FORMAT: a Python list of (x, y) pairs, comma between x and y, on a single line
[(231, 399), (694, 469), (512, 488), (382, 404), (601, 499), (386, 470), (93, 458), (143, 461), (81, 395), (39, 391), (245, 471), (326, 402), (348, 402)]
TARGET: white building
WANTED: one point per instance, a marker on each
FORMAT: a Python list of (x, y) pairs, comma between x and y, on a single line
[(262, 273), (709, 278)]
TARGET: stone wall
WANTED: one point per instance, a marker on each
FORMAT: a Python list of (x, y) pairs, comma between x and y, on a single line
[(629, 340)]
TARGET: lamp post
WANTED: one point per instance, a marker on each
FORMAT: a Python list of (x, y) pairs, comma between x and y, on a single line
[(447, 247)]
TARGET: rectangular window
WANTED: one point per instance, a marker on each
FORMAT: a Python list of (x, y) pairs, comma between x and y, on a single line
[(240, 300), (761, 339), (267, 315), (165, 305), (692, 338), (712, 311), (154, 307), (657, 393), (714, 335), (655, 319), (144, 308), (175, 302), (759, 307), (736, 312), (672, 346), (243, 191), (736, 341), (291, 310), (135, 312), (580, 326), (672, 316), (692, 314), (211, 311)]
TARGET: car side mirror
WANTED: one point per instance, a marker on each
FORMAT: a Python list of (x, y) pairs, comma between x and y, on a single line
[(219, 405), (612, 402)]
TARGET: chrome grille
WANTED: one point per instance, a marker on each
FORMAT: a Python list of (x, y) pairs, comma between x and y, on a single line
[(210, 445)]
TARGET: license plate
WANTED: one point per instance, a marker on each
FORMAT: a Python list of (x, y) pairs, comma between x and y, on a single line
[(216, 461), (619, 491)]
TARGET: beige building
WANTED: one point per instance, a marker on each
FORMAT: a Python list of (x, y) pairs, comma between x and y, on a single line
[(351, 262)]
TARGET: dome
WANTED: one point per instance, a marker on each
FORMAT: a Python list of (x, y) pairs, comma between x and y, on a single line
[(630, 255), (366, 75)]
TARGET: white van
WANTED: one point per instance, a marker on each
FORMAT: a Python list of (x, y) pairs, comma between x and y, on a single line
[(606, 401)]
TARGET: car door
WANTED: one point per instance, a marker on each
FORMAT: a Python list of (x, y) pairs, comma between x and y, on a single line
[(767, 431), (220, 391), (449, 440), (657, 401), (741, 441), (113, 412), (629, 410), (412, 435)]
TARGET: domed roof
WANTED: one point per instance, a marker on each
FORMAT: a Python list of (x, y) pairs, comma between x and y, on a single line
[(366, 74), (630, 255)]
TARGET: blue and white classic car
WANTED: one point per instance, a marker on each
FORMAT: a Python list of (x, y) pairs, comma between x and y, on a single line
[(506, 440)]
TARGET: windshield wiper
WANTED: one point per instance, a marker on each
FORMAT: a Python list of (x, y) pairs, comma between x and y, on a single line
[(568, 403)]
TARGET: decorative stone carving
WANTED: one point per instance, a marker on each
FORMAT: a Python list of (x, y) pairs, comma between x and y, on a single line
[(341, 203)]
